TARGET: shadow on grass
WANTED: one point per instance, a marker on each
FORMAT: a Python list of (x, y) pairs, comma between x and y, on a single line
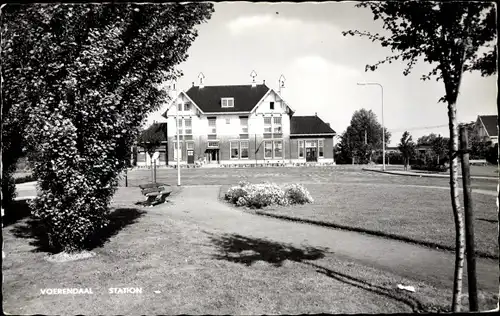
[(118, 219), (15, 212), (245, 250), (488, 220)]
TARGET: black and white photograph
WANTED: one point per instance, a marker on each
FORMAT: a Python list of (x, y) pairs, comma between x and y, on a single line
[(249, 158)]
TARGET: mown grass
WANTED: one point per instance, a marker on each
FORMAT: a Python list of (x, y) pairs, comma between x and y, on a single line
[(418, 214), (195, 272)]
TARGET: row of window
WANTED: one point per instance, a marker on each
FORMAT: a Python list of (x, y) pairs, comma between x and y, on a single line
[(239, 149), (225, 103), (271, 125)]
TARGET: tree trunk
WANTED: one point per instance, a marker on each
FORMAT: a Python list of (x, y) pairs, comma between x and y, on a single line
[(457, 214)]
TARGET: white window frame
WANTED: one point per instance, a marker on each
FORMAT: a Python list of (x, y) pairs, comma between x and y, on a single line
[(212, 130), (271, 142), (321, 144), (187, 106), (229, 102), (274, 125), (244, 127), (231, 149), (228, 120), (212, 141), (180, 107), (274, 149), (301, 145), (247, 148), (272, 105), (188, 128), (177, 151), (189, 145)]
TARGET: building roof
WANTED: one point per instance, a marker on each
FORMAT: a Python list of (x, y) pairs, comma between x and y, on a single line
[(490, 123), (246, 97), (309, 125), (157, 132)]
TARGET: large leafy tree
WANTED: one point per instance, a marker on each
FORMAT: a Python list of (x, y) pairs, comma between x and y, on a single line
[(453, 37), (78, 81), (363, 136), (440, 147), (407, 148)]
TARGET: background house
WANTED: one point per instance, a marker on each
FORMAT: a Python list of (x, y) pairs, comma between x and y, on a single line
[(486, 127)]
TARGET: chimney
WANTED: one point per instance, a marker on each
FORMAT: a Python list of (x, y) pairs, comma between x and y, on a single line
[(193, 83), (264, 81), (172, 93)]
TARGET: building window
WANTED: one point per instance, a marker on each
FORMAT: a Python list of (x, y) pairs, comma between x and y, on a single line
[(321, 146), (228, 121), (189, 146), (188, 129), (278, 149), (244, 150), (227, 102), (311, 144), (268, 150), (177, 150), (212, 126), (141, 156), (179, 126), (187, 107), (244, 125), (234, 150), (213, 144), (271, 105), (179, 107), (163, 156), (301, 149), (267, 125), (277, 125)]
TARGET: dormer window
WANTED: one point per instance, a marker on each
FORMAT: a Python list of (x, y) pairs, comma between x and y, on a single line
[(227, 102), (271, 105)]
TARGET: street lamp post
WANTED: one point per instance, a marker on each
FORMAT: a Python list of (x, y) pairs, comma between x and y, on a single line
[(383, 126)]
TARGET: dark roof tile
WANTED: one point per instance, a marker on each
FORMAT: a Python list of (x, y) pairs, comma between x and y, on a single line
[(245, 97), (309, 125), (490, 123)]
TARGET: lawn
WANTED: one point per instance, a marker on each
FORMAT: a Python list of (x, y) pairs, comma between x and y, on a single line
[(184, 270), (419, 214)]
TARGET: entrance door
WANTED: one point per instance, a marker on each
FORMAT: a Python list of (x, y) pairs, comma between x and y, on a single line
[(311, 155), (214, 155), (190, 156)]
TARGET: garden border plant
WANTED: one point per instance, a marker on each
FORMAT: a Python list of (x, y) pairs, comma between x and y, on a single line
[(267, 194)]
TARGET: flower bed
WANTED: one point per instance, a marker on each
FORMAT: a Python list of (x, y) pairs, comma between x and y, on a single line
[(265, 194)]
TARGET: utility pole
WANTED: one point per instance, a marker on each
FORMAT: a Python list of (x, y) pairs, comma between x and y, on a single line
[(178, 143), (383, 126)]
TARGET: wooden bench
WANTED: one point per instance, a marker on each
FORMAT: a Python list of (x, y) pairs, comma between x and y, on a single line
[(155, 193)]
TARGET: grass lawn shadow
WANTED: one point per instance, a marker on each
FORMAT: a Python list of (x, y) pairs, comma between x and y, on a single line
[(246, 250), (118, 220), (15, 212)]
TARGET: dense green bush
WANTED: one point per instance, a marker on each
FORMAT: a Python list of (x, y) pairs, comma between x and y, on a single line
[(492, 154), (265, 194), (430, 167)]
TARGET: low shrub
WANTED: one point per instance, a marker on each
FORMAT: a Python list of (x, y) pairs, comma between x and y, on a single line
[(265, 194), (430, 167)]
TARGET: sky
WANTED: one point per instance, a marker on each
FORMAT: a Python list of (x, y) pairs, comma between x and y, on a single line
[(303, 42)]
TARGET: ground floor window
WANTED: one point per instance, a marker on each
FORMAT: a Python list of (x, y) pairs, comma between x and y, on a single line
[(268, 150), (177, 150), (321, 146), (190, 146), (301, 149), (244, 150), (239, 150), (278, 149), (273, 149), (163, 156), (234, 150), (141, 156)]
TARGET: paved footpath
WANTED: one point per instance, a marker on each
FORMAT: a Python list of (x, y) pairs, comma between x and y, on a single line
[(199, 204)]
